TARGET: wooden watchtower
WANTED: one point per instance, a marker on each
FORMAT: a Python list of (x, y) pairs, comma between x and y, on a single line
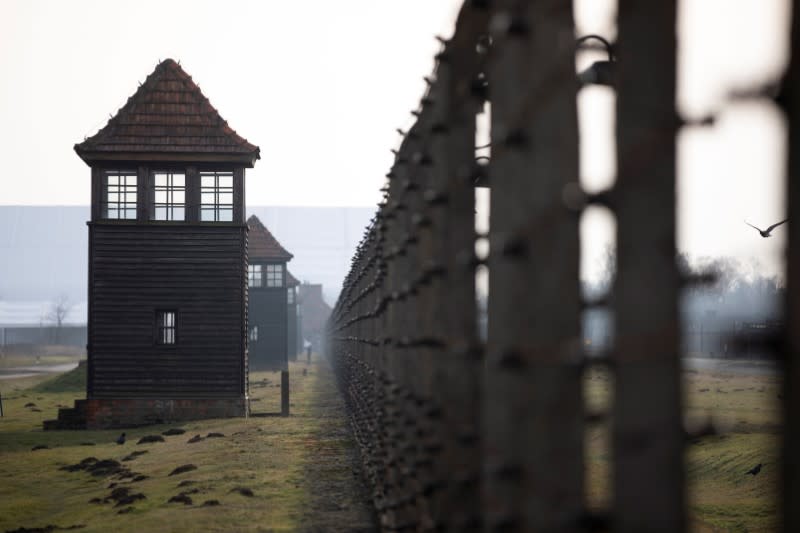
[(267, 300), (167, 260)]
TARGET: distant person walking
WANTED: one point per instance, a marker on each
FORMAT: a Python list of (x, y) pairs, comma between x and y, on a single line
[(307, 346)]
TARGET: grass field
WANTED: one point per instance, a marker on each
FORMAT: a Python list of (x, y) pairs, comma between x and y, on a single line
[(300, 469), (744, 410), (266, 473), (17, 360)]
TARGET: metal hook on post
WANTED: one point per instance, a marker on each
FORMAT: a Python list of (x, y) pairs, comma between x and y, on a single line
[(600, 72)]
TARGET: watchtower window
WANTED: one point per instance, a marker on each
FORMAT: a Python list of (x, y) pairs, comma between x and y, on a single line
[(216, 196), (119, 195), (290, 296), (170, 196), (274, 275), (166, 328), (255, 276)]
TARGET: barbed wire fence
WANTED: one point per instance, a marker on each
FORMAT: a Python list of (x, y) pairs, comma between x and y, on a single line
[(457, 434)]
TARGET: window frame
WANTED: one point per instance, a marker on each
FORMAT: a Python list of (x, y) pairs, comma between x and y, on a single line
[(169, 189), (217, 191), (255, 273), (271, 279), (125, 189), (290, 296), (163, 327)]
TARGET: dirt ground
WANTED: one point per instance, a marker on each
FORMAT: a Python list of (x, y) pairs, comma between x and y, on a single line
[(339, 499)]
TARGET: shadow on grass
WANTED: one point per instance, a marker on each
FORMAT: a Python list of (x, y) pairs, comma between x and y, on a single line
[(265, 415), (338, 500)]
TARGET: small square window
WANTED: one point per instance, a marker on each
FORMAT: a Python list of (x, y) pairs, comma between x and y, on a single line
[(216, 196), (274, 275), (255, 276), (166, 327), (253, 334), (170, 196), (119, 195), (290, 296)]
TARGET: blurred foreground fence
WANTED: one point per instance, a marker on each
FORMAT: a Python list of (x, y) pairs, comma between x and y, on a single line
[(461, 435)]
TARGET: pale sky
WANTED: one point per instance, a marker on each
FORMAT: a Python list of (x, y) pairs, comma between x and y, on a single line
[(321, 86)]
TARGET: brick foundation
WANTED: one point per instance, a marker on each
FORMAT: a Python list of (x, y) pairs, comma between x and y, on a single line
[(126, 412)]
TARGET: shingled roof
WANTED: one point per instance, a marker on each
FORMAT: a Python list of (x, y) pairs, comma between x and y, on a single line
[(168, 118), (291, 281), (262, 245)]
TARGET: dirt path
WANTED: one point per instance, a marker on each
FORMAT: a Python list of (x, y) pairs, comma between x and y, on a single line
[(26, 371), (339, 501), (733, 367)]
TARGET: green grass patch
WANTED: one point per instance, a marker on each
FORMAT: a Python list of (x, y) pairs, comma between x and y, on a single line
[(72, 381), (745, 411), (299, 469), (16, 360)]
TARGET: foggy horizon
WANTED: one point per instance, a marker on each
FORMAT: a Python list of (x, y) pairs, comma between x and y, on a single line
[(312, 105)]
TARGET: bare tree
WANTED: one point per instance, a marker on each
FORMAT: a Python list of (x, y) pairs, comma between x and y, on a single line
[(59, 310)]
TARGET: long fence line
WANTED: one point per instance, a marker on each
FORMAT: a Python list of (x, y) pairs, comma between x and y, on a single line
[(460, 435)]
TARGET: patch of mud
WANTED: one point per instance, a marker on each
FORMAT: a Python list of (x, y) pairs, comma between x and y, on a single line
[(181, 498), (133, 455), (123, 496), (182, 469), (150, 438), (102, 468), (46, 529)]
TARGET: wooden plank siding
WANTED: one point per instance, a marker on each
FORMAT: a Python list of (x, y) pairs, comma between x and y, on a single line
[(293, 347), (195, 270), (269, 312), (268, 308)]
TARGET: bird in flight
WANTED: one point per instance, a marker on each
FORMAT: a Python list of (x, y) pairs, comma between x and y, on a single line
[(766, 232)]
